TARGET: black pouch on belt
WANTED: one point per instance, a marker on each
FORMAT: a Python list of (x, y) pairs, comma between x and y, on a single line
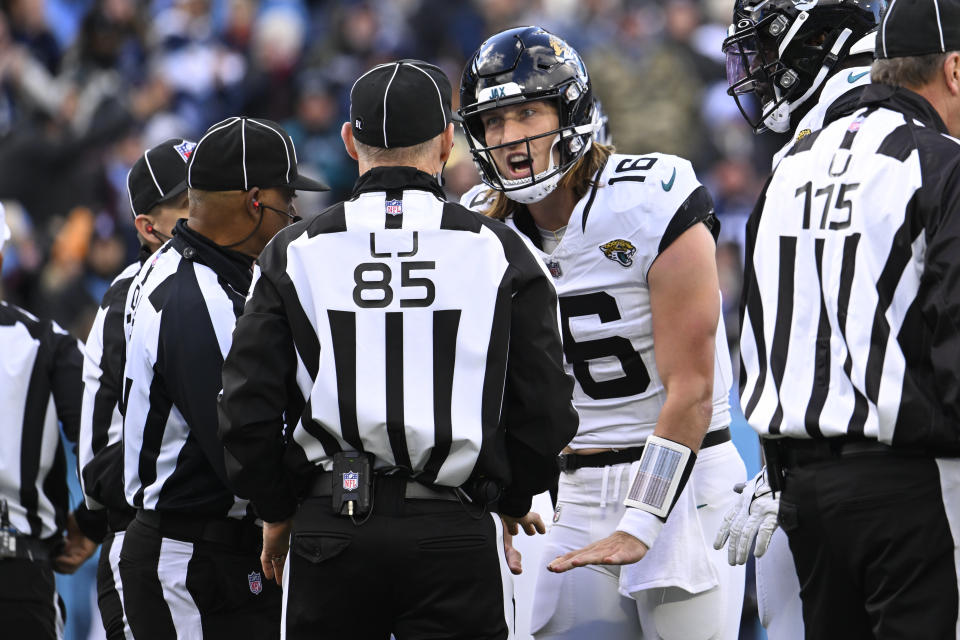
[(352, 481)]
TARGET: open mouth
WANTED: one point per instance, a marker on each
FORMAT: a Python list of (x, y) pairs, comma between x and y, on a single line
[(519, 165)]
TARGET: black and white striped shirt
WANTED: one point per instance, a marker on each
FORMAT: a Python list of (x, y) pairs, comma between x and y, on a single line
[(404, 326), (101, 425), (851, 306), (40, 367), (181, 311)]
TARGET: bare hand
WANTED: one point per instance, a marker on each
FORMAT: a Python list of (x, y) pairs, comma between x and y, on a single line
[(531, 524), (512, 555), (276, 544), (617, 548), (76, 550)]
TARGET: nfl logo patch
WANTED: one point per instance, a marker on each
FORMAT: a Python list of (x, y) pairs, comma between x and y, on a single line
[(554, 267), (394, 207), (185, 148), (351, 480), (256, 583)]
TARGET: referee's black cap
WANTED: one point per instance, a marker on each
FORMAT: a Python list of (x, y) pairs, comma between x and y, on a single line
[(158, 175), (239, 153), (919, 27), (400, 104)]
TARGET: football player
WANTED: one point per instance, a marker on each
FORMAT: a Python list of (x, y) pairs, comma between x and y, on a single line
[(803, 65), (629, 241)]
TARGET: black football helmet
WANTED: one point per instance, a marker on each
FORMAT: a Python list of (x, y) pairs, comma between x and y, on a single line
[(782, 51), (521, 65)]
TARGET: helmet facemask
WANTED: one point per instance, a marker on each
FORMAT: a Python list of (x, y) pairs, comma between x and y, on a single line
[(783, 52), (568, 144)]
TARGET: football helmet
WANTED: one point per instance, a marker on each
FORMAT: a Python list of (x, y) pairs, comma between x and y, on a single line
[(782, 51), (521, 65)]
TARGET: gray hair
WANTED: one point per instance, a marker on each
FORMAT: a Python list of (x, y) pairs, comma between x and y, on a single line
[(405, 156), (908, 71)]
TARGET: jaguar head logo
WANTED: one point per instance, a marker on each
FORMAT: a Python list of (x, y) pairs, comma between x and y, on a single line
[(620, 251)]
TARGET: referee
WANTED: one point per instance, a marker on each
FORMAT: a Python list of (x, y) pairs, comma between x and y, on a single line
[(413, 346), (39, 387), (190, 559), (157, 191), (851, 345)]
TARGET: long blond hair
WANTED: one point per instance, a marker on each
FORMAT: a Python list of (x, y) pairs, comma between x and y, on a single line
[(579, 180)]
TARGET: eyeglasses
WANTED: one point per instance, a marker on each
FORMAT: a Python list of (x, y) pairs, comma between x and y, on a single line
[(293, 218)]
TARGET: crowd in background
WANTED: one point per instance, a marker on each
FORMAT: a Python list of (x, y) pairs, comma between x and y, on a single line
[(87, 85)]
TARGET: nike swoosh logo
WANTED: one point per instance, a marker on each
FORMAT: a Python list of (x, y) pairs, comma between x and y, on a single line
[(669, 185), (701, 506), (851, 78)]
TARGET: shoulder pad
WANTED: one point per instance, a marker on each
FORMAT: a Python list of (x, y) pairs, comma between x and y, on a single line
[(478, 198)]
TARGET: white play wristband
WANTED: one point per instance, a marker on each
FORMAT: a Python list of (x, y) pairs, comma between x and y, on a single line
[(642, 525)]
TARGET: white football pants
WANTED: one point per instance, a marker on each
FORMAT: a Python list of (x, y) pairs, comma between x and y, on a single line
[(586, 603)]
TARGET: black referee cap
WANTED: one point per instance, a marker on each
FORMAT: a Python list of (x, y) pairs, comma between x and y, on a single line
[(241, 153), (400, 104), (919, 27), (159, 174)]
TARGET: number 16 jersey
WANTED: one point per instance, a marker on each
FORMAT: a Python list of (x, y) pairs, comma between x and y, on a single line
[(637, 208)]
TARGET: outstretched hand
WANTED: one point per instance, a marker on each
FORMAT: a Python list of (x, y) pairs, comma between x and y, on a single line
[(616, 549)]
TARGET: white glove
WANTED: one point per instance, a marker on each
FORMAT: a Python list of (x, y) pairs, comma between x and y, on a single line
[(755, 514)]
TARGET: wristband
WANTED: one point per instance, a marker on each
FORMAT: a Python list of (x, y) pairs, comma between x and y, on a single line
[(642, 525), (664, 468)]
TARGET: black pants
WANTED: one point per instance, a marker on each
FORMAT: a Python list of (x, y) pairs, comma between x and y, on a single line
[(198, 589), (29, 604), (873, 548), (110, 588), (419, 569)]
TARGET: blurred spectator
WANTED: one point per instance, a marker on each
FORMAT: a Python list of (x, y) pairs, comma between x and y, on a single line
[(28, 27), (315, 130)]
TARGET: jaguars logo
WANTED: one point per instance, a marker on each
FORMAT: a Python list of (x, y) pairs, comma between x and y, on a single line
[(803, 134), (559, 48), (620, 251)]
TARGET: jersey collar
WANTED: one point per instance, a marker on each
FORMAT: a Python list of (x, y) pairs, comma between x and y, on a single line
[(234, 267), (905, 101), (397, 178)]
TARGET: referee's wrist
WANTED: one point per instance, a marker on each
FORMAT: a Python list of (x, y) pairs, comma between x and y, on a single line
[(275, 510), (642, 525)]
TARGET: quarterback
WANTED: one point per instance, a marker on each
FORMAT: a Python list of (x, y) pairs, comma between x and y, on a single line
[(629, 241)]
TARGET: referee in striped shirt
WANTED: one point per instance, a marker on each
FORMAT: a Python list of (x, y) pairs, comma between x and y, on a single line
[(851, 345), (39, 387), (157, 191), (413, 347), (190, 559)]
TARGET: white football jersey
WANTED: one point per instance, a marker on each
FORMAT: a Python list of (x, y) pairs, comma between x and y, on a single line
[(616, 231)]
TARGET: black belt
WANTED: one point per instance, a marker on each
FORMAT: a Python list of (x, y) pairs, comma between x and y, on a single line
[(241, 534), (322, 486), (795, 452), (37, 550), (572, 461)]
